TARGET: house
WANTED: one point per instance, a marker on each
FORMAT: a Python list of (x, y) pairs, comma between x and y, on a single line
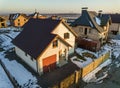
[(3, 22), (18, 19), (115, 26), (92, 25), (37, 15), (45, 44)]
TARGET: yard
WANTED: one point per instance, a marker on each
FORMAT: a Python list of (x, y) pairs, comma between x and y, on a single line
[(22, 75)]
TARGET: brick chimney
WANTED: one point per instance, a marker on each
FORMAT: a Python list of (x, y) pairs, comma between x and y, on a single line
[(84, 10), (100, 13)]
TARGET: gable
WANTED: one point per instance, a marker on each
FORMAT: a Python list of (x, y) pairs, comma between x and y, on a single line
[(61, 29), (50, 50)]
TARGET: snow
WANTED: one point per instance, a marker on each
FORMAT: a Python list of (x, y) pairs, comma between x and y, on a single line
[(15, 16), (81, 63), (4, 81), (91, 23), (98, 21), (6, 38), (17, 70), (91, 76)]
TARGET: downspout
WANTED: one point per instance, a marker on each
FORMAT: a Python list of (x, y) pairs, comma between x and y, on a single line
[(37, 66)]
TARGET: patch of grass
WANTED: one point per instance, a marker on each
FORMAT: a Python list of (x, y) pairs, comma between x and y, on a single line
[(87, 54)]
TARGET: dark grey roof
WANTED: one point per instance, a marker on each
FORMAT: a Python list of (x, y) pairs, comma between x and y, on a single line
[(88, 18), (105, 18), (115, 18), (36, 36), (16, 15)]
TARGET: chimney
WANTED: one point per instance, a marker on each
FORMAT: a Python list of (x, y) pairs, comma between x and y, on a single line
[(84, 10), (100, 13)]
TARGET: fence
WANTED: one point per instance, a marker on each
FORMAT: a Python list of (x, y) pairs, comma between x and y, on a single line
[(71, 80), (94, 64), (75, 77)]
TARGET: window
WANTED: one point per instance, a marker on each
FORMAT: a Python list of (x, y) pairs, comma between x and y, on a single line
[(18, 24), (85, 32), (66, 35), (18, 20), (80, 29), (90, 30), (55, 43)]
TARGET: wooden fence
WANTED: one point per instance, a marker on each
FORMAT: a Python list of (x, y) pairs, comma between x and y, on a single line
[(95, 64), (74, 78), (71, 80)]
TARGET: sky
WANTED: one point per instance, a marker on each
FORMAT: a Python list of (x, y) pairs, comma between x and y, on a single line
[(58, 6)]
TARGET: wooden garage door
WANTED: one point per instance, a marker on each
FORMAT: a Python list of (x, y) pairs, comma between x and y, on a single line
[(49, 63)]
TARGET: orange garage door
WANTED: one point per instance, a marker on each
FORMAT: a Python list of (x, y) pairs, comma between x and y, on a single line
[(49, 63)]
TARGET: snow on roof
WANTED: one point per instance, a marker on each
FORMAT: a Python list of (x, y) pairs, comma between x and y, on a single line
[(15, 16), (98, 21), (91, 24)]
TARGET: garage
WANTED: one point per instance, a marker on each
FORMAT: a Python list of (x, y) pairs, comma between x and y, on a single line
[(49, 63)]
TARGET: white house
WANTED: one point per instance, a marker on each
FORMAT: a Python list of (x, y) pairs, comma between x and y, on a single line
[(45, 44)]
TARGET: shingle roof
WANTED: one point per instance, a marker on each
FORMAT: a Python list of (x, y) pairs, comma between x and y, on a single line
[(36, 36), (16, 15), (88, 18), (115, 18)]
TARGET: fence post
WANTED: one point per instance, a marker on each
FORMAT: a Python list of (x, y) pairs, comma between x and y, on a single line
[(76, 77)]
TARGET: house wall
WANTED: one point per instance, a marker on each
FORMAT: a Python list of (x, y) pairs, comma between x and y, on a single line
[(4, 22), (20, 23), (27, 59), (60, 30), (91, 33), (51, 51), (114, 27)]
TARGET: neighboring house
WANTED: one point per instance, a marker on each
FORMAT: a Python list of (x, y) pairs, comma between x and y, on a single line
[(3, 22), (45, 44), (91, 25), (37, 15), (115, 26), (18, 19)]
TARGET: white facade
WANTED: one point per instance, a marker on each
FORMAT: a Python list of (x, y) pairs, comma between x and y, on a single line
[(52, 51), (63, 48), (26, 58), (60, 30)]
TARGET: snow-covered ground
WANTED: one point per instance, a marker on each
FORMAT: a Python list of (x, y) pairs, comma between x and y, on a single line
[(81, 63), (4, 81), (113, 47), (23, 77)]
